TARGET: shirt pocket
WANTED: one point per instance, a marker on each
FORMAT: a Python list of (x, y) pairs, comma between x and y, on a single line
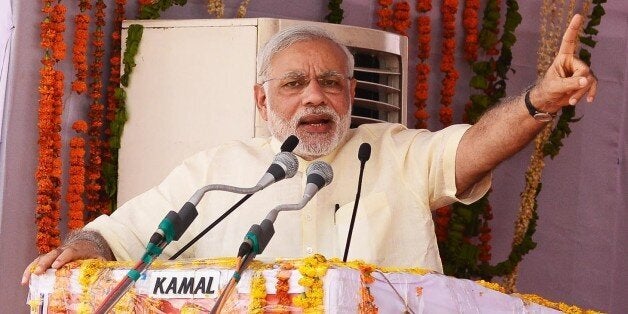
[(371, 228)]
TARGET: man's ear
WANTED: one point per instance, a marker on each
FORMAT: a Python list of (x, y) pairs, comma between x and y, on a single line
[(352, 85), (260, 101)]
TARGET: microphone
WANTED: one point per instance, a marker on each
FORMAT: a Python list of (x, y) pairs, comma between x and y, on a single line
[(284, 165), (172, 227), (290, 144), (364, 154), (319, 175)]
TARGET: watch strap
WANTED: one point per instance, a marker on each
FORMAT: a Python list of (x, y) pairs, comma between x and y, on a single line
[(535, 113)]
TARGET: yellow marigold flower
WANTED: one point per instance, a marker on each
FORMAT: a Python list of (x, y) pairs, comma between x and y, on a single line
[(321, 270), (306, 281)]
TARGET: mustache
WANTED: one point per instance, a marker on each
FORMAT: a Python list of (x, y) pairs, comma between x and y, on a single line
[(324, 111)]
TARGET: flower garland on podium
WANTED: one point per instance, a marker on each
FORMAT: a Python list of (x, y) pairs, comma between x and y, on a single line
[(313, 270), (258, 293), (95, 275)]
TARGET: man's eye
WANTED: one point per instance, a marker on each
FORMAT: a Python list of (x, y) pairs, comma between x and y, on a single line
[(329, 82), (293, 83)]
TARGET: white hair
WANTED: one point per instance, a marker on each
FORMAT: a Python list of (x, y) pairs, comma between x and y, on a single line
[(291, 35)]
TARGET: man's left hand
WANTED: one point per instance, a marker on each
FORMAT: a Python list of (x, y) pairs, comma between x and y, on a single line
[(568, 78)]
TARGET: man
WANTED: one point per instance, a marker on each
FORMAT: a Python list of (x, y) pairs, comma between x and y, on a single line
[(306, 88)]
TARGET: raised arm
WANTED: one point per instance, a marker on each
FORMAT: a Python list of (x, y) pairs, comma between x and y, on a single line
[(509, 126)]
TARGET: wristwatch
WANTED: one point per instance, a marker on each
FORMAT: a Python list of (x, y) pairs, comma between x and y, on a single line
[(540, 116)]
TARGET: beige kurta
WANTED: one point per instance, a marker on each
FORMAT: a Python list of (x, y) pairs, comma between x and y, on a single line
[(409, 173)]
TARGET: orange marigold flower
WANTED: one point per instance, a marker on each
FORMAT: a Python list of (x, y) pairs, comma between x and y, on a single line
[(80, 126), (421, 114)]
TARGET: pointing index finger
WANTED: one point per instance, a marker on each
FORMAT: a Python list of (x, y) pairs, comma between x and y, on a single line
[(568, 45)]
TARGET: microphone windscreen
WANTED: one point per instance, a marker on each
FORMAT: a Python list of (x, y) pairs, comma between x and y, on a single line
[(290, 143), (321, 168), (289, 162), (364, 153)]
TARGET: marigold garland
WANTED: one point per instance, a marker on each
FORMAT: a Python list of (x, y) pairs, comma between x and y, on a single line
[(527, 208), (110, 152), (422, 68), (48, 173), (384, 14), (96, 203), (242, 8), (447, 66), (88, 273), (442, 216), (283, 286), (76, 185), (258, 293), (401, 17), (93, 275), (216, 7), (313, 270), (61, 296), (79, 51), (562, 129), (470, 24), (554, 23), (485, 236), (462, 256), (367, 301)]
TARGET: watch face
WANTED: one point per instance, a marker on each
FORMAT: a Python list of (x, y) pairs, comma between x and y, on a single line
[(543, 117)]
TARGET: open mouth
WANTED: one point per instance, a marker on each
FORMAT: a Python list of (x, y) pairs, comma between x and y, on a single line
[(316, 123)]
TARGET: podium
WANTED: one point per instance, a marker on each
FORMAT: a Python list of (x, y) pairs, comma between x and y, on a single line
[(309, 285)]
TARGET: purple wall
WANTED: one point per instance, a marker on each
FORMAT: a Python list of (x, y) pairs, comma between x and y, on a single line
[(580, 258)]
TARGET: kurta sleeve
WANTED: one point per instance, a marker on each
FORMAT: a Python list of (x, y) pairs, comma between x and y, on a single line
[(432, 156), (128, 229)]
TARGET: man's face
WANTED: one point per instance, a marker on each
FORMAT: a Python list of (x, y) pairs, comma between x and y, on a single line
[(307, 93)]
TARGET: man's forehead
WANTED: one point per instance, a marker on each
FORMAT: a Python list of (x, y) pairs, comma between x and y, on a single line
[(303, 56), (301, 73)]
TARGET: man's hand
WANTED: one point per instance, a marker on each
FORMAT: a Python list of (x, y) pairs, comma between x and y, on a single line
[(568, 78), (494, 138), (82, 245)]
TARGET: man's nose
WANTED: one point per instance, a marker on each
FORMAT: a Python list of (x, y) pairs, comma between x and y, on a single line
[(313, 94)]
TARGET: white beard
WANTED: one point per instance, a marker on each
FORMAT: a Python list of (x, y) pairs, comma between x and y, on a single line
[(311, 145)]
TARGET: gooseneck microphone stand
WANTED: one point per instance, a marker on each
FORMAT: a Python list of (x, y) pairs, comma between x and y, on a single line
[(364, 154), (289, 165), (319, 175), (175, 224), (170, 228)]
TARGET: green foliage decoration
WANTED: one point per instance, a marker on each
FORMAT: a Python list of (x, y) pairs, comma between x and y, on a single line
[(562, 129), (335, 12), (110, 167), (459, 254), (152, 11)]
